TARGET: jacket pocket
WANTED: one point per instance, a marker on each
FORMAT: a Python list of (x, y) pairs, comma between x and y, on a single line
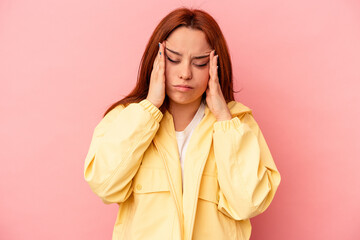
[(151, 180), (210, 223), (209, 189), (153, 206)]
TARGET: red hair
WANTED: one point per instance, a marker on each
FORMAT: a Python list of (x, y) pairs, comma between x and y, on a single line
[(192, 18)]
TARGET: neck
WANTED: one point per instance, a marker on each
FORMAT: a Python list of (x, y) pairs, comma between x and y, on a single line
[(183, 113)]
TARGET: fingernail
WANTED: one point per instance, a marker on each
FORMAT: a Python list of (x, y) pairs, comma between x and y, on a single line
[(160, 53), (159, 45)]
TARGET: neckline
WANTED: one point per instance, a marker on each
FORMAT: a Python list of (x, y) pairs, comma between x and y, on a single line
[(192, 122)]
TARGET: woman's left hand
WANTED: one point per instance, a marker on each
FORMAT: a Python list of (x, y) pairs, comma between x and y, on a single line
[(214, 97)]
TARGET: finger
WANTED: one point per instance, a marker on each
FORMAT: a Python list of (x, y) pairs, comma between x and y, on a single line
[(162, 57), (214, 61), (216, 68), (157, 56), (213, 66), (156, 60), (212, 53), (210, 63)]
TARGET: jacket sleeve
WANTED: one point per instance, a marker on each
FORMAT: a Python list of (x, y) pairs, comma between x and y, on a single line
[(117, 147), (247, 174)]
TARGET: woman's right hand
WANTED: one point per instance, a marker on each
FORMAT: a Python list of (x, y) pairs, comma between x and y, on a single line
[(156, 93)]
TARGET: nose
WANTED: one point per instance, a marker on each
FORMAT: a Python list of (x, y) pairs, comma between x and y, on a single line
[(185, 71)]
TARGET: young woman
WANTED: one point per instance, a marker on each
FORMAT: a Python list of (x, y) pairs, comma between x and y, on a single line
[(180, 157)]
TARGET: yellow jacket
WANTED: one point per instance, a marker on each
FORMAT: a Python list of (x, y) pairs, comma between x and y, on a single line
[(229, 174)]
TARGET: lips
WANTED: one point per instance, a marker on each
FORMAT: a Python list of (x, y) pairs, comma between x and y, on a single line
[(182, 86)]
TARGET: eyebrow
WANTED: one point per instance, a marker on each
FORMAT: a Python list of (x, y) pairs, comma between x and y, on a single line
[(196, 57)]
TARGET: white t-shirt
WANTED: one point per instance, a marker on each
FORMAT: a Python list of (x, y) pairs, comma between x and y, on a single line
[(183, 137)]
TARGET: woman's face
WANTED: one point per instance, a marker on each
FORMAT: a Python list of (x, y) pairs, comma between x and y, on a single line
[(187, 66)]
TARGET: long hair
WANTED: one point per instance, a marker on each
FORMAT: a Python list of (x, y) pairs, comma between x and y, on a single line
[(192, 18)]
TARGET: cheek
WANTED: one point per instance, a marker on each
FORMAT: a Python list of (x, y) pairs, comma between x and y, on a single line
[(203, 77), (169, 72)]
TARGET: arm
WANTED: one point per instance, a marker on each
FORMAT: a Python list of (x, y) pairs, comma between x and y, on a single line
[(247, 174), (117, 147)]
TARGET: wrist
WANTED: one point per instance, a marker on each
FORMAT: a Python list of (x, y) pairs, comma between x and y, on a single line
[(154, 103), (224, 117), (152, 109)]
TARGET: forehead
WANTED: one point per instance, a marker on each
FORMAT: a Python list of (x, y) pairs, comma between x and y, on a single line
[(188, 41)]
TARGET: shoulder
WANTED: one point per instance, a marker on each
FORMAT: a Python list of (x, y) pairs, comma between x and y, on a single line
[(237, 108), (114, 112), (108, 119), (245, 114)]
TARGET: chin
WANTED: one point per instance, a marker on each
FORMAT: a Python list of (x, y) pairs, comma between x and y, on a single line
[(184, 101)]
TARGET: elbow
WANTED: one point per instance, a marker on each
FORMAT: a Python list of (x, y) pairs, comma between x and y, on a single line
[(261, 195), (250, 202), (115, 196), (110, 191), (240, 210), (243, 208)]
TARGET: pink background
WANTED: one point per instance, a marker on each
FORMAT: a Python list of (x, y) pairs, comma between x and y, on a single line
[(62, 63)]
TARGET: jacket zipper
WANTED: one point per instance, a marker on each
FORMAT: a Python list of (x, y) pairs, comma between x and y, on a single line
[(172, 188), (196, 196)]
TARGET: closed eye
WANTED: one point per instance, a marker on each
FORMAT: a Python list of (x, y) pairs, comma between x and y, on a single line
[(201, 65), (197, 65), (172, 60)]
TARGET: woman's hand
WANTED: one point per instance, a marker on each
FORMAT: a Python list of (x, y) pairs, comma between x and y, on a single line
[(156, 93), (214, 97)]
